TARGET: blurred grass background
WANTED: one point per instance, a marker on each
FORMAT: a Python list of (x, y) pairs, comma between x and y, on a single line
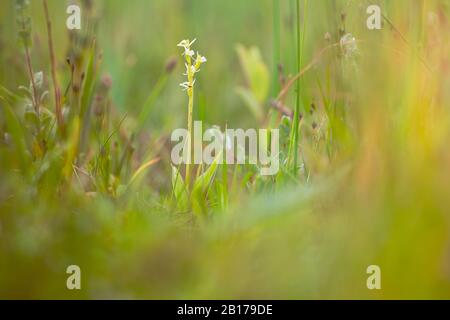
[(374, 171)]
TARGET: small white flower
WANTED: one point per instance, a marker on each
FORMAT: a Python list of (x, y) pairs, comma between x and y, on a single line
[(200, 58), (183, 43), (193, 69), (188, 52), (186, 44), (184, 85), (187, 85)]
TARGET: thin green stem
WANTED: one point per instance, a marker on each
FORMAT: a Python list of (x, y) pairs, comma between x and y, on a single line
[(276, 47), (57, 90), (190, 129), (300, 46)]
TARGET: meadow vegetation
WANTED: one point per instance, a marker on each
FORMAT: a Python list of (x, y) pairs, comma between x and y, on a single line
[(86, 176)]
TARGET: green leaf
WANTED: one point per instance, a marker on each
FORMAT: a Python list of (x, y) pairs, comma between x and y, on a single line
[(86, 96), (256, 72), (8, 96), (15, 128), (203, 182), (179, 189), (202, 186)]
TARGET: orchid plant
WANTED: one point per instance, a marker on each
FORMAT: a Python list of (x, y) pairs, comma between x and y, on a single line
[(192, 67)]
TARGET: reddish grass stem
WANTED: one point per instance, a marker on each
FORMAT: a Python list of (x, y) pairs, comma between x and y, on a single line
[(33, 83), (57, 90)]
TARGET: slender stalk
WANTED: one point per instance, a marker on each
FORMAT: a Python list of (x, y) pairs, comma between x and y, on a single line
[(300, 44), (294, 134), (31, 72), (190, 92), (33, 84), (57, 90), (276, 47), (192, 67)]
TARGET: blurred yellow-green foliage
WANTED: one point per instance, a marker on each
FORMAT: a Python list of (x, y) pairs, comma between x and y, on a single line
[(371, 185)]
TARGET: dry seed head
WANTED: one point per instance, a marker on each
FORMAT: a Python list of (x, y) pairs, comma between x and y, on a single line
[(348, 45)]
